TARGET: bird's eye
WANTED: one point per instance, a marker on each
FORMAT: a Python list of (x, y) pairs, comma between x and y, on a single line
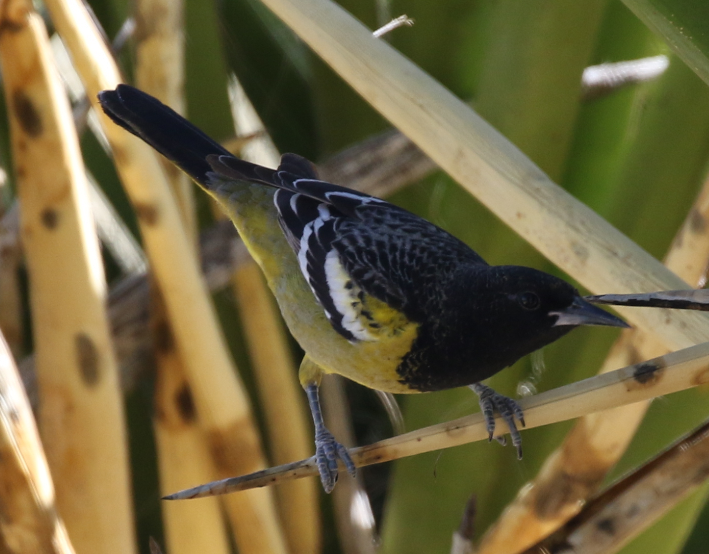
[(529, 301)]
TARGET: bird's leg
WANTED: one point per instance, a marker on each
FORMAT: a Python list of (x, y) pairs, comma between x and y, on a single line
[(508, 409), (327, 449)]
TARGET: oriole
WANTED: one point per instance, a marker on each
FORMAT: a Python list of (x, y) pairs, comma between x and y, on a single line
[(369, 290)]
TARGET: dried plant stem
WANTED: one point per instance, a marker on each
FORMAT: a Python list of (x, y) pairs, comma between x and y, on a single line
[(183, 458), (289, 434), (221, 402), (81, 418), (289, 427), (631, 505), (183, 453), (636, 383), (598, 440), (113, 232), (490, 167), (30, 522), (159, 70), (393, 24)]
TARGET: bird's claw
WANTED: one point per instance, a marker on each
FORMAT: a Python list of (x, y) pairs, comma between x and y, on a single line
[(509, 410), (327, 452)]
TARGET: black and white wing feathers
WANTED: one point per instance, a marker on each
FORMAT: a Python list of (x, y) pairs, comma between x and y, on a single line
[(352, 246)]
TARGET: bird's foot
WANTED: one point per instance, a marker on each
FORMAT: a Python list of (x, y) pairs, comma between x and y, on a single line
[(327, 452), (509, 410)]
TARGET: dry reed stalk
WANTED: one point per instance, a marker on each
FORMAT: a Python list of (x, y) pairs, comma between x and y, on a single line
[(30, 524), (289, 428), (81, 416), (631, 505), (288, 431), (221, 402), (183, 453), (183, 458), (159, 70)]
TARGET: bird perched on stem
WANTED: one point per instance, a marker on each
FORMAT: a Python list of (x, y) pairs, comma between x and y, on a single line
[(369, 290)]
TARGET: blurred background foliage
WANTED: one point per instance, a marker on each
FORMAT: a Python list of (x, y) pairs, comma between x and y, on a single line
[(637, 154)]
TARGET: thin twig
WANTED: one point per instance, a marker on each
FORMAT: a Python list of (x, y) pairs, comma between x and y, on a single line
[(664, 375), (670, 299), (393, 24)]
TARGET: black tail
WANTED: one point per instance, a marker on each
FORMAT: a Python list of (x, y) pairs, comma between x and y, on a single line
[(162, 128)]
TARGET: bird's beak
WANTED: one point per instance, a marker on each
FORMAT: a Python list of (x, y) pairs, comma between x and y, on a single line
[(583, 313)]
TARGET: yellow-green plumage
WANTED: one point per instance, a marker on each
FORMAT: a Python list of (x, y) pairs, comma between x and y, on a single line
[(370, 363)]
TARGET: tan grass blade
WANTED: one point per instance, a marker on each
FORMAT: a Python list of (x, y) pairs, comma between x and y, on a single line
[(289, 426), (183, 458), (112, 231), (30, 522), (218, 393), (81, 418), (490, 167), (636, 383), (114, 234), (160, 71), (289, 431), (183, 453)]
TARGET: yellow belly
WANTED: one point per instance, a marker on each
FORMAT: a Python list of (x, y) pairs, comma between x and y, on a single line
[(370, 363)]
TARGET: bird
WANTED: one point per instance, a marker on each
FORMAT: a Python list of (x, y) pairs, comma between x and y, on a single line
[(369, 290)]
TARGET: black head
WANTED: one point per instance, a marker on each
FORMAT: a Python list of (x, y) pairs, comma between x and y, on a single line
[(543, 300), (507, 312)]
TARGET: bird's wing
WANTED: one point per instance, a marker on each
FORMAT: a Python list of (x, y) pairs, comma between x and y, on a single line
[(371, 265)]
